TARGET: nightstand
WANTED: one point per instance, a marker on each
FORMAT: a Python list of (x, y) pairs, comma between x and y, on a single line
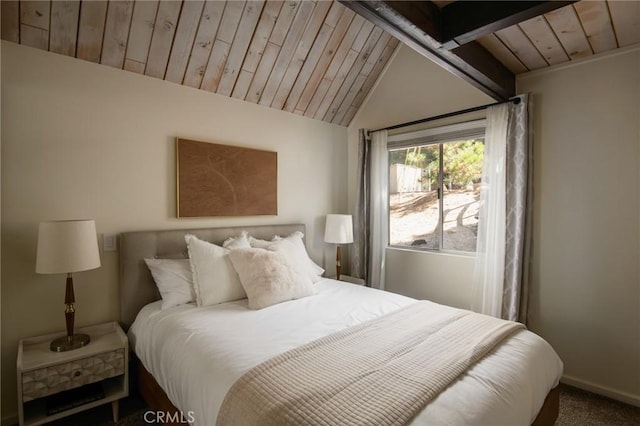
[(52, 385)]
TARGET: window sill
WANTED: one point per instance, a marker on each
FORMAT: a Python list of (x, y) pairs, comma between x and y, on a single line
[(464, 254)]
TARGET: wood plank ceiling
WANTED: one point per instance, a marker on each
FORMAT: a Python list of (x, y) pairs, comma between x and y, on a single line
[(571, 32), (487, 43), (313, 58)]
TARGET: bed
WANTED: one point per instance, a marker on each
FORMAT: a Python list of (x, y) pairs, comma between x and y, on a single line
[(515, 383)]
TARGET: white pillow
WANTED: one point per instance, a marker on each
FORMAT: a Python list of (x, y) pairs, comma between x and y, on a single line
[(257, 243), (268, 278), (214, 279), (315, 271), (241, 241), (174, 280)]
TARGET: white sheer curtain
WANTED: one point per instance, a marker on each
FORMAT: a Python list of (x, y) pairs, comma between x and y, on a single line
[(379, 208), (501, 282), (488, 284)]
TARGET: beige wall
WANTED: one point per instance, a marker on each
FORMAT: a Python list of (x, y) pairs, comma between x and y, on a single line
[(442, 278), (586, 283), (81, 140), (412, 88)]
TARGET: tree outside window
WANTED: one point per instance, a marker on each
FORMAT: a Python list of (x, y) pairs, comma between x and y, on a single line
[(434, 195)]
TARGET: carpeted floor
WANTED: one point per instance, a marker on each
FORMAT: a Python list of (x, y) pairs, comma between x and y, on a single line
[(577, 408), (582, 408)]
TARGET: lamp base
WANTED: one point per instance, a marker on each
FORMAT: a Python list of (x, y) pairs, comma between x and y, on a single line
[(64, 344)]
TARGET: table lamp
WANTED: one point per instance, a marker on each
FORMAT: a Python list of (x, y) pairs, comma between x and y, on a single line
[(338, 230), (65, 247)]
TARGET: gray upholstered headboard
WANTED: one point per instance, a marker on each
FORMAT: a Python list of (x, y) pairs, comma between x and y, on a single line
[(136, 284)]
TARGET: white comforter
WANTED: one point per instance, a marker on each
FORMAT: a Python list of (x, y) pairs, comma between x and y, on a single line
[(196, 354)]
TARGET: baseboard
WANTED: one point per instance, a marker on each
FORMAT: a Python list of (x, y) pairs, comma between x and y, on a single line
[(10, 420), (625, 397)]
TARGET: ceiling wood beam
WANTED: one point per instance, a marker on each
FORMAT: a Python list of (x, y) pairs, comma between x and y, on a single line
[(418, 25), (465, 21)]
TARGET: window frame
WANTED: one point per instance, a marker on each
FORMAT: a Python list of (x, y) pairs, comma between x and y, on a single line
[(429, 137)]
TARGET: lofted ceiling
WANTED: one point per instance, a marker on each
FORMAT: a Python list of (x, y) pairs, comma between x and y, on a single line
[(313, 58), (488, 42), (320, 58), (571, 32)]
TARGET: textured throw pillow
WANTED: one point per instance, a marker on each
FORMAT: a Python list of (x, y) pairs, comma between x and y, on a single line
[(174, 281), (268, 278), (214, 279), (296, 238), (241, 241)]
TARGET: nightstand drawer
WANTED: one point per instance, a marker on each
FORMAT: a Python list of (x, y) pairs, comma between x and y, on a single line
[(69, 375)]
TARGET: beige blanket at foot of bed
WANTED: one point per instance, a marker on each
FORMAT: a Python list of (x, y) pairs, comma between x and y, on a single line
[(382, 372)]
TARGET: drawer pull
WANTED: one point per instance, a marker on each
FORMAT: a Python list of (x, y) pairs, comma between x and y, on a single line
[(77, 374)]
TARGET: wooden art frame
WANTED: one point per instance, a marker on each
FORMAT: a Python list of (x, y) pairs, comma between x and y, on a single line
[(225, 180)]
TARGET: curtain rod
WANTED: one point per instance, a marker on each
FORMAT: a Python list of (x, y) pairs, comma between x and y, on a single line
[(515, 101)]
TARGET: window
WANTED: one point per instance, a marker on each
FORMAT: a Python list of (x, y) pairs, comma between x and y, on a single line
[(434, 188)]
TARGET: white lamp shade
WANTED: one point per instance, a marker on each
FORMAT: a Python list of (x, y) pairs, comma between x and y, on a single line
[(67, 246), (339, 229)]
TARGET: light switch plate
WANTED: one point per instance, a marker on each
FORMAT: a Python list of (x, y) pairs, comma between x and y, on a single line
[(109, 242)]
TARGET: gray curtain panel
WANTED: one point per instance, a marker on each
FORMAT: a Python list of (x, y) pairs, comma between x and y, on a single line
[(359, 254), (519, 203)]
